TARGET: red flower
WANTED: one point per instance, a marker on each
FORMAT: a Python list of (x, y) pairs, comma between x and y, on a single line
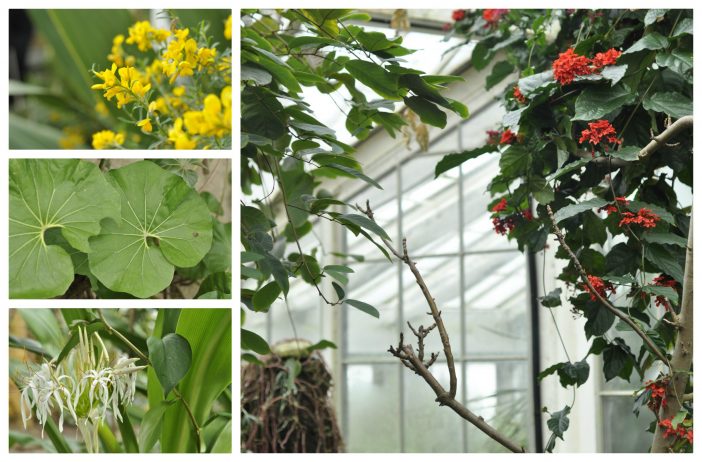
[(688, 436), (508, 137), (500, 206), (607, 58), (600, 286), (668, 425), (612, 208), (664, 281), (644, 218), (457, 15), (528, 216), (503, 225), (597, 132), (493, 16), (518, 95), (493, 136), (568, 65), (658, 394)]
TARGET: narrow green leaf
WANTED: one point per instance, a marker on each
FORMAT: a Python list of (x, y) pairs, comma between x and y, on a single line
[(363, 222), (339, 290), (352, 172), (428, 112), (454, 160), (150, 428), (127, 431), (365, 307)]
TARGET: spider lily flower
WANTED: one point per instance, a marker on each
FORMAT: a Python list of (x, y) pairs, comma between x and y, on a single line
[(87, 387)]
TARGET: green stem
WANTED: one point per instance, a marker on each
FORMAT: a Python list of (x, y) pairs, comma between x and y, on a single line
[(109, 441)]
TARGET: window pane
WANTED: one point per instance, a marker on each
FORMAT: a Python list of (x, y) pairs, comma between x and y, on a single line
[(498, 392), (622, 431), (377, 284), (373, 408), (496, 297), (428, 426), (429, 208), (303, 303)]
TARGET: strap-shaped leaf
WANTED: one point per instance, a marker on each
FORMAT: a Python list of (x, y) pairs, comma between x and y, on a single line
[(65, 194), (164, 224)]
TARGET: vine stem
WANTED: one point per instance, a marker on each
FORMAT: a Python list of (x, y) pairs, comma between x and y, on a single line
[(196, 428), (618, 313)]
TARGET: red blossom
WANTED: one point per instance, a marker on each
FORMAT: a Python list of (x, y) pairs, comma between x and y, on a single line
[(457, 15), (508, 137), (569, 65), (500, 206), (664, 281), (643, 217), (688, 436), (597, 132), (600, 286), (612, 208), (528, 216), (493, 16), (518, 95), (503, 225), (658, 394), (607, 58), (493, 136)]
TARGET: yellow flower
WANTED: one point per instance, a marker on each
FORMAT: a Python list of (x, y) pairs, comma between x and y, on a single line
[(215, 118), (101, 109), (131, 84), (142, 34), (145, 125), (177, 136), (228, 28), (107, 139), (71, 139)]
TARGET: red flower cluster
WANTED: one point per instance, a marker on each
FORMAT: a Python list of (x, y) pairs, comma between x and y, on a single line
[(508, 137), (597, 132), (503, 225), (607, 58), (517, 93), (569, 64), (664, 281), (643, 217), (600, 286), (457, 15), (612, 208), (678, 433), (493, 16), (493, 136), (658, 394), (500, 206)]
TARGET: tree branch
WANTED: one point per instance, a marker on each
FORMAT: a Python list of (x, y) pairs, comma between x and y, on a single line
[(416, 363), (618, 313), (682, 356), (657, 142)]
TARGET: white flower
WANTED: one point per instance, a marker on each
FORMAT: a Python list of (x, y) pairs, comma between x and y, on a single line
[(87, 390)]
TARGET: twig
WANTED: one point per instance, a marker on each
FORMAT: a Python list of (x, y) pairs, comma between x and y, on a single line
[(618, 313), (416, 363), (657, 142), (681, 361)]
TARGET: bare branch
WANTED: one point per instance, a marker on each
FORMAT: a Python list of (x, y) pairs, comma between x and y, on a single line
[(682, 356), (618, 313), (681, 124)]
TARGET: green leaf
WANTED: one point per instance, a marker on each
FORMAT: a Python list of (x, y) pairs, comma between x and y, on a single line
[(375, 77), (150, 428), (575, 209), (338, 268), (482, 55), (339, 290), (254, 342), (558, 422), (598, 101), (530, 84), (223, 443), (617, 360), (575, 373), (58, 194), (499, 72), (629, 153), (170, 357), (650, 41), (552, 299), (567, 169), (321, 345), (454, 160), (664, 238), (683, 27), (254, 74), (365, 307), (599, 319), (30, 345), (677, 60), (28, 134), (614, 73), (363, 222), (266, 296), (350, 171), (653, 15), (667, 292), (209, 333), (56, 437), (665, 215), (164, 224), (514, 161), (90, 327), (664, 261), (219, 257), (671, 103), (127, 431), (427, 111)]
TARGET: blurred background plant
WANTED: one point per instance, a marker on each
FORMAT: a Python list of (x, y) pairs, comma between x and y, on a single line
[(194, 413), (166, 76)]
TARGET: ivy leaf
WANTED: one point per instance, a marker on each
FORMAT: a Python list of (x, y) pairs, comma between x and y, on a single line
[(596, 102), (69, 195), (574, 209), (170, 358), (164, 223), (574, 373), (375, 77), (650, 41), (671, 103)]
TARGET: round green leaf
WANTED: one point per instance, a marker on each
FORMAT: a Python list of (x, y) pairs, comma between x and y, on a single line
[(67, 194), (170, 357), (164, 223)]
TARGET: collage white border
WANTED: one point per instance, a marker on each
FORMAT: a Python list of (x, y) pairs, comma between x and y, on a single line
[(235, 5)]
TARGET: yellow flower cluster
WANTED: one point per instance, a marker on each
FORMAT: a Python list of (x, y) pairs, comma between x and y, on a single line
[(215, 118), (228, 28), (117, 54), (132, 85), (179, 138), (142, 34), (107, 139), (183, 55)]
